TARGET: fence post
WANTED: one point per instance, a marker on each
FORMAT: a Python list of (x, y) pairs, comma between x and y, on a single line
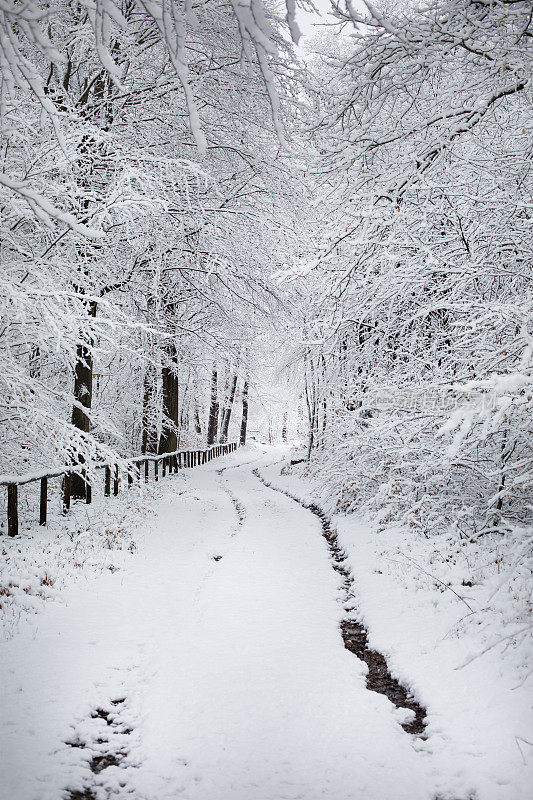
[(107, 489), (164, 466), (66, 492), (44, 501), (115, 481), (130, 475), (12, 509), (156, 470), (146, 470)]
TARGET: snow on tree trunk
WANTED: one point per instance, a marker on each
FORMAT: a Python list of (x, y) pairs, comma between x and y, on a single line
[(226, 416), (212, 424), (244, 420)]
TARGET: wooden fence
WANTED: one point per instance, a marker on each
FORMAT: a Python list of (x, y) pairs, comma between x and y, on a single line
[(169, 462)]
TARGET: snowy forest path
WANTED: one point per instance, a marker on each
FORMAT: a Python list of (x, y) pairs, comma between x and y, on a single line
[(215, 662)]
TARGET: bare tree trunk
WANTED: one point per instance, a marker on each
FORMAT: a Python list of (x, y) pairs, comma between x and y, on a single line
[(223, 402), (284, 428), (506, 452), (311, 438), (197, 423), (83, 397), (149, 436), (311, 402), (168, 441), (212, 425), (244, 421), (226, 416), (185, 403)]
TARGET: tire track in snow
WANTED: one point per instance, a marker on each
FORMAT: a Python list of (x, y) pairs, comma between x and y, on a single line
[(354, 634), (237, 505)]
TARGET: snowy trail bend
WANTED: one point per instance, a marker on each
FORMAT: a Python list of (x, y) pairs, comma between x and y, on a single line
[(222, 640)]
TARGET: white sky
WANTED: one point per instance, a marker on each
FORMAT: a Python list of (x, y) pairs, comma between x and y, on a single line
[(311, 23), (308, 21)]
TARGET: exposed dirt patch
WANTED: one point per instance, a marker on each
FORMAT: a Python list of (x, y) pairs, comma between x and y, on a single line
[(99, 763), (108, 750), (354, 634), (81, 794)]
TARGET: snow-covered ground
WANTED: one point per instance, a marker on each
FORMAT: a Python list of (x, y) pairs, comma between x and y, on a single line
[(208, 661), (430, 607)]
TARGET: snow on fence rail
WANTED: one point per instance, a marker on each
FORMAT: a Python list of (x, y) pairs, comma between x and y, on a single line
[(169, 461)]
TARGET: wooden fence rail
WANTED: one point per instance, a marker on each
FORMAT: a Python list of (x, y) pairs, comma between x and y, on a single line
[(170, 462)]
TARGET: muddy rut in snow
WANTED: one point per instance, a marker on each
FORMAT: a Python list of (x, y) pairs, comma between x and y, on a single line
[(354, 634)]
